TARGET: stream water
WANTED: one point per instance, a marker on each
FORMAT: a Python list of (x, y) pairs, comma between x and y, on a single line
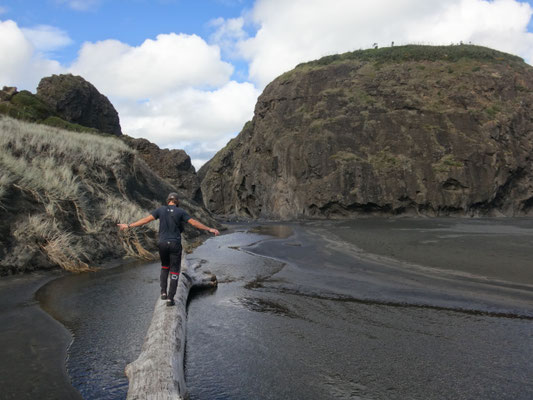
[(364, 309)]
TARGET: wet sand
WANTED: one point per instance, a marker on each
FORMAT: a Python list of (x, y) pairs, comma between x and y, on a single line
[(34, 345), (316, 316), (494, 248)]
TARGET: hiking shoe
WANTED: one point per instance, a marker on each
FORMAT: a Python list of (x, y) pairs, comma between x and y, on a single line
[(163, 296), (170, 302)]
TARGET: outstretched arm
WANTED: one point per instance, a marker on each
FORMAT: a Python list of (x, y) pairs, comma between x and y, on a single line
[(140, 222), (199, 225)]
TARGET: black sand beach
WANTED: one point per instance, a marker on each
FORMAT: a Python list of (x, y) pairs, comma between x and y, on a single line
[(343, 310), (389, 308)]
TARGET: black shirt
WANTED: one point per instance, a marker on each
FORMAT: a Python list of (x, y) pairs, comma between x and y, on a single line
[(171, 219)]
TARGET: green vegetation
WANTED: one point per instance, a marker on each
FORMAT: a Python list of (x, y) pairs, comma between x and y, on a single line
[(316, 125), (335, 91), (492, 110), (57, 122), (446, 163), (28, 107), (345, 156), (383, 160), (386, 161), (73, 191), (359, 96), (418, 53)]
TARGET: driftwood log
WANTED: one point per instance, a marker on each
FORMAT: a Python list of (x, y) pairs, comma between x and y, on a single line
[(158, 372)]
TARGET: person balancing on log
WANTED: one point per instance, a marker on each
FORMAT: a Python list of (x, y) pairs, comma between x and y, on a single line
[(171, 219)]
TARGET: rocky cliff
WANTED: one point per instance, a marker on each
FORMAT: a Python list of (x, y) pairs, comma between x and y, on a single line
[(412, 129), (79, 102), (172, 165)]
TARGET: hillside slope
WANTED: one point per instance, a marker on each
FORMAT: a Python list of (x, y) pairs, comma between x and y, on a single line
[(444, 130), (62, 193), (70, 102)]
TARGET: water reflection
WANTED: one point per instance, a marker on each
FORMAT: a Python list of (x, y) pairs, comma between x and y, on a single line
[(278, 231), (109, 312)]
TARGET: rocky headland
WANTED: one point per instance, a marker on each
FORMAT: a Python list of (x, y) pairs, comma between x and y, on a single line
[(62, 101), (424, 130), (79, 102)]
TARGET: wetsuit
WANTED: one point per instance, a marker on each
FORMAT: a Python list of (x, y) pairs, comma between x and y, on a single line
[(171, 220)]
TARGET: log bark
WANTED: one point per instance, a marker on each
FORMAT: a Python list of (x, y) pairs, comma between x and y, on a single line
[(158, 372)]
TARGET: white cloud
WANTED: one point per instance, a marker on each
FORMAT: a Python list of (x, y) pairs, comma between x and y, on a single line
[(175, 91), (154, 68), (22, 65), (290, 32), (228, 32), (191, 117), (46, 38)]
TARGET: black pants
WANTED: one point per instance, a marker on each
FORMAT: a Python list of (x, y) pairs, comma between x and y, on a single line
[(170, 253)]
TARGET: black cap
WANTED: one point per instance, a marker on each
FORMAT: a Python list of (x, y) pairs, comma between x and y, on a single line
[(173, 197)]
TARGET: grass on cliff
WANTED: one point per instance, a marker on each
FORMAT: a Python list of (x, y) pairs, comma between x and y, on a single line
[(28, 107), (413, 52), (72, 184)]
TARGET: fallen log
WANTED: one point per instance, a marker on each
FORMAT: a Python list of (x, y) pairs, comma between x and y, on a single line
[(158, 372)]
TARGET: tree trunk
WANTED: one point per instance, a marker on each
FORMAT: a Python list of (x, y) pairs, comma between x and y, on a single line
[(158, 372)]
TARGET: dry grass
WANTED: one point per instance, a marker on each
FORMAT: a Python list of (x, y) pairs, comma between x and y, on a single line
[(30, 140), (61, 247), (75, 182), (51, 160), (117, 210), (6, 180)]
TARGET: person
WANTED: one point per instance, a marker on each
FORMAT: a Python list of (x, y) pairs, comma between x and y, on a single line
[(171, 219)]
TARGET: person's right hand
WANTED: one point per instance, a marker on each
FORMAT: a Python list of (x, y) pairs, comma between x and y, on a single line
[(214, 231)]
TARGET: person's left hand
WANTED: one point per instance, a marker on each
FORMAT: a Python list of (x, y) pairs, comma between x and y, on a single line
[(214, 231), (123, 226)]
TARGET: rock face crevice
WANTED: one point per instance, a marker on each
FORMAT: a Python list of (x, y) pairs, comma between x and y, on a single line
[(414, 129)]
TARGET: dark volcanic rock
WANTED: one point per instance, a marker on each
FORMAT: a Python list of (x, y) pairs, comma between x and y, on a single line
[(79, 102), (412, 129), (7, 93), (172, 165)]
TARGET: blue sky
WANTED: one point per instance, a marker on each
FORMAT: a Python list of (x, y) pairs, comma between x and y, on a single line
[(130, 21), (187, 74)]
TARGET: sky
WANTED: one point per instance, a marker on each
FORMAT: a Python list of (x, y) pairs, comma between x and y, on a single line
[(187, 73)]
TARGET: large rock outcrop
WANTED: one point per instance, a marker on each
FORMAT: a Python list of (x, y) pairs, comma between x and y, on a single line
[(172, 165), (412, 129), (78, 101)]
